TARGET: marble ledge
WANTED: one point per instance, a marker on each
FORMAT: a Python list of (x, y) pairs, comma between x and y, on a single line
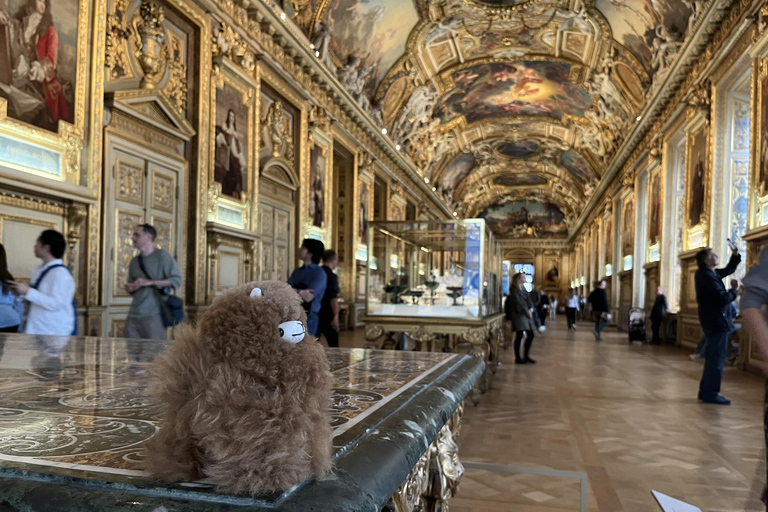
[(388, 407)]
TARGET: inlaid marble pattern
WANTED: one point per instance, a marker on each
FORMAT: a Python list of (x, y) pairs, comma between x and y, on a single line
[(77, 406)]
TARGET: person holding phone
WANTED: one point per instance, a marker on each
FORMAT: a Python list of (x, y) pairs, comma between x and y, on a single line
[(716, 321)]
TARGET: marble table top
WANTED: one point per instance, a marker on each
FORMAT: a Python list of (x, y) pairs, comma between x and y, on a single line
[(73, 410)]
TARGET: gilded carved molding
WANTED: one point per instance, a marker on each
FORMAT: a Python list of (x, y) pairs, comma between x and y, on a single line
[(257, 26), (729, 15)]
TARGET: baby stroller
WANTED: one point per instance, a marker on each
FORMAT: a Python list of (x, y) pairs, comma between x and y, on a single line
[(637, 325)]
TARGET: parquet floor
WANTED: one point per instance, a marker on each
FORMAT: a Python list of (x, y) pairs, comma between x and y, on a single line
[(627, 416)]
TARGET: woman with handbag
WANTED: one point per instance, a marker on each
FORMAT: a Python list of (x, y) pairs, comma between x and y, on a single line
[(518, 309), (599, 301)]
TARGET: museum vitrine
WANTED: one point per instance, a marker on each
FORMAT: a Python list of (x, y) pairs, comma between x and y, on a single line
[(435, 269)]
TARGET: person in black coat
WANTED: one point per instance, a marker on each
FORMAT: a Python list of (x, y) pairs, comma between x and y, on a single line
[(329, 306), (543, 307), (599, 301), (658, 312), (716, 322)]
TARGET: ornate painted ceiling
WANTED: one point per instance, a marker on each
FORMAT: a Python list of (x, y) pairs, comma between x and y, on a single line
[(510, 109)]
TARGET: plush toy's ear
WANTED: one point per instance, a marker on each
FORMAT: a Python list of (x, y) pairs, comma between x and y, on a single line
[(256, 292)]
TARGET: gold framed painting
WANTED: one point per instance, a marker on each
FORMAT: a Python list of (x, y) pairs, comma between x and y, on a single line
[(318, 190), (759, 151), (45, 113), (232, 145), (697, 175)]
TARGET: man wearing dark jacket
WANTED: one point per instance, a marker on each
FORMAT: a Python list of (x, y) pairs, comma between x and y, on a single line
[(658, 312), (599, 300), (716, 322)]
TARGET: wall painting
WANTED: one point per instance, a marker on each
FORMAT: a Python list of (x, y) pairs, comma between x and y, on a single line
[(365, 209), (697, 173), (628, 229), (40, 74), (655, 209), (317, 167), (232, 140), (763, 159)]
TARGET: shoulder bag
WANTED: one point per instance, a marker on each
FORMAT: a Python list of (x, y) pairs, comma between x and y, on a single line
[(171, 306)]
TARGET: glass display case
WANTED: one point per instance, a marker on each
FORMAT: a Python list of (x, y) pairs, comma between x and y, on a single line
[(435, 269)]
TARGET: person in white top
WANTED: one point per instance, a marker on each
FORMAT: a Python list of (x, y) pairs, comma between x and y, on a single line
[(571, 306), (49, 306)]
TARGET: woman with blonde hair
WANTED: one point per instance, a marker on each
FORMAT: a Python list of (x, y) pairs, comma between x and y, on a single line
[(518, 310)]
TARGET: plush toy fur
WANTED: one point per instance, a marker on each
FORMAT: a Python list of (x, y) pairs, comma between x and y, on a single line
[(243, 408)]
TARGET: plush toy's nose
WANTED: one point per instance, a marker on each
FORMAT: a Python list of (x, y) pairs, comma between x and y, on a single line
[(292, 332)]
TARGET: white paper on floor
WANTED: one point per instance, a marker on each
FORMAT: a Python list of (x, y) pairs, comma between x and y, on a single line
[(670, 504)]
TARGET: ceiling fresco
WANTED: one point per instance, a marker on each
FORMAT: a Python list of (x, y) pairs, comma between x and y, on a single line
[(519, 180), (637, 24), (524, 219), (502, 102), (529, 88), (518, 149), (374, 31)]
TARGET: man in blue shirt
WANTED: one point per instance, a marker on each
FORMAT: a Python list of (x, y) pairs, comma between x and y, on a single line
[(310, 281)]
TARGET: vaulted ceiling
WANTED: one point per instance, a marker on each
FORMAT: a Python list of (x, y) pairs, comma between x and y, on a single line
[(510, 109)]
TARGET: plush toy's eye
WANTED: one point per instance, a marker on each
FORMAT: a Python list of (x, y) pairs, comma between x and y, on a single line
[(292, 332)]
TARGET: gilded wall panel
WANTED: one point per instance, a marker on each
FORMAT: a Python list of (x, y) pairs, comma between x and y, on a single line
[(165, 232), (281, 226), (267, 259), (117, 328), (129, 185), (281, 262), (163, 192), (267, 223)]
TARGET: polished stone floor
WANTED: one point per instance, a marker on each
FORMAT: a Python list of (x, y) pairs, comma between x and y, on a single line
[(627, 416)]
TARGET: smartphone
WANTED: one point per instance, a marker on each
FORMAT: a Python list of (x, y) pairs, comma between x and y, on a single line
[(730, 244)]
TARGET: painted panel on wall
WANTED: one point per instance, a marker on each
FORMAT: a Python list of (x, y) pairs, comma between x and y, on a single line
[(232, 139), (698, 164), (44, 62)]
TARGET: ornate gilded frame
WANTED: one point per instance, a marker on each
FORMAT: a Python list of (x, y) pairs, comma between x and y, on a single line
[(324, 143), (758, 200), (67, 144), (653, 250), (222, 209), (697, 235)]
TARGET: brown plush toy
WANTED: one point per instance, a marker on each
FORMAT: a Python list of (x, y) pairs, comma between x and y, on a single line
[(246, 396)]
